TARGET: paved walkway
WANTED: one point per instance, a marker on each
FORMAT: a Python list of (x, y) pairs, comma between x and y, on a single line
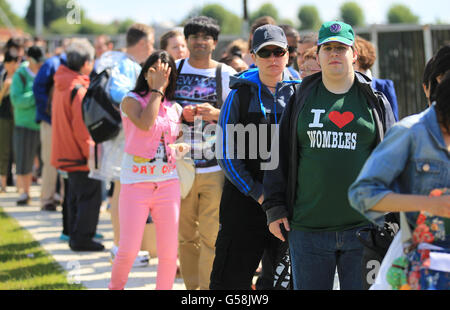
[(92, 269)]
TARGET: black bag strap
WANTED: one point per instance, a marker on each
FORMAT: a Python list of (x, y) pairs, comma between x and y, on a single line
[(23, 79), (244, 102), (219, 85), (74, 92), (96, 155), (180, 66)]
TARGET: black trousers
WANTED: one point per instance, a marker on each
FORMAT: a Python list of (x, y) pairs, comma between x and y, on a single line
[(84, 200), (65, 208), (242, 240)]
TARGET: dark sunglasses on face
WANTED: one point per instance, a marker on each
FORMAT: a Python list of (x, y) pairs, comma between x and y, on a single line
[(266, 53)]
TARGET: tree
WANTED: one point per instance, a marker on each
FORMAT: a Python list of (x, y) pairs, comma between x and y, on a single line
[(61, 26), (352, 14), (229, 22), (122, 26), (53, 10), (90, 27), (401, 14), (266, 9), (309, 18), (286, 21), (14, 19)]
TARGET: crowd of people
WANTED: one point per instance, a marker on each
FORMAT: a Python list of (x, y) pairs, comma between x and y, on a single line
[(342, 159)]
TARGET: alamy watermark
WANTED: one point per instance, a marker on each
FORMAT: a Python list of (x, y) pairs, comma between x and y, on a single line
[(74, 15), (235, 141), (74, 271), (374, 267)]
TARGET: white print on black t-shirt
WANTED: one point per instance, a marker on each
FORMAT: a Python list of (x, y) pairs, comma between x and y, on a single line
[(332, 139)]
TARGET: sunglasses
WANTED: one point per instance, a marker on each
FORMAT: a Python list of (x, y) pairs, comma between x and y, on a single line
[(266, 53)]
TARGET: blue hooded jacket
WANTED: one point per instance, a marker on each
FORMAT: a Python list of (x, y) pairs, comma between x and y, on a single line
[(42, 85), (262, 105)]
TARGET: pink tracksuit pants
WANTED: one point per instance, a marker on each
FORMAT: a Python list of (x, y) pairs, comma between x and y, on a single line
[(162, 199)]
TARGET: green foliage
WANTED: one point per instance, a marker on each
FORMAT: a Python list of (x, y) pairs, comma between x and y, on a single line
[(122, 26), (15, 20), (309, 18), (266, 9), (401, 14), (286, 21), (88, 26), (53, 10), (352, 14), (61, 26), (229, 22)]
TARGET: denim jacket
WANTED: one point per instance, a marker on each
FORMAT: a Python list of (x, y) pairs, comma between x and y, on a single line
[(412, 159)]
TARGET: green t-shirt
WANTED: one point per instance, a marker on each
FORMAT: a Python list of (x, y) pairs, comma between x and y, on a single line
[(336, 134)]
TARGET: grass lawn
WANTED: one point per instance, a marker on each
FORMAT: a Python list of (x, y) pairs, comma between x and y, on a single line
[(24, 264)]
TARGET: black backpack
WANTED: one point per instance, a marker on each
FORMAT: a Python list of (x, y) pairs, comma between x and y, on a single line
[(100, 114)]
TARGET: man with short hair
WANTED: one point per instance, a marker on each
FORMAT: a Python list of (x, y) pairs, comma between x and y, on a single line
[(202, 86), (326, 133), (70, 145), (293, 37), (102, 44)]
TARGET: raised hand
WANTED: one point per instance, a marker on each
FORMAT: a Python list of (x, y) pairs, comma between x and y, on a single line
[(158, 76)]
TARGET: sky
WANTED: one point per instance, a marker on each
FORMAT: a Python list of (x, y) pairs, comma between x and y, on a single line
[(157, 11)]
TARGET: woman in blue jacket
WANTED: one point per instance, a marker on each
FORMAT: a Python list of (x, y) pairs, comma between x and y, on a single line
[(412, 160)]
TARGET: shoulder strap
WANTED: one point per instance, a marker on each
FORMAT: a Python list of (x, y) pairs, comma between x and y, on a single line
[(74, 92), (3, 75), (180, 66), (23, 79), (219, 85), (244, 102)]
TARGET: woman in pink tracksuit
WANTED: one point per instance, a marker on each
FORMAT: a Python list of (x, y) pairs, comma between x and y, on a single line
[(151, 122)]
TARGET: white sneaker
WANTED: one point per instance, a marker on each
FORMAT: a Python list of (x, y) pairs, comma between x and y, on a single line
[(142, 259)]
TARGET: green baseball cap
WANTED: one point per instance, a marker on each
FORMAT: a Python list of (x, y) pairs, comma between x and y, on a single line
[(336, 32)]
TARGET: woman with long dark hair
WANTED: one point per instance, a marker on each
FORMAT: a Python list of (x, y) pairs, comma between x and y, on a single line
[(151, 122)]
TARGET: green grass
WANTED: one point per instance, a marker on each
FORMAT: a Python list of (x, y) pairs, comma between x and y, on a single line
[(24, 264)]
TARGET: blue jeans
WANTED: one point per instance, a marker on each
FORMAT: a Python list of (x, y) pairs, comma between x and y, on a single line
[(315, 255)]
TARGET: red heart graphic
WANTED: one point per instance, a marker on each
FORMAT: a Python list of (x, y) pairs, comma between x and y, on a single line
[(339, 119)]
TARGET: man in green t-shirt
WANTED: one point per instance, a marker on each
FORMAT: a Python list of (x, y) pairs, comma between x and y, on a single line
[(326, 134)]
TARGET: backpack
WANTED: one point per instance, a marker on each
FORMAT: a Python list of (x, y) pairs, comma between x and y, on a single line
[(100, 114)]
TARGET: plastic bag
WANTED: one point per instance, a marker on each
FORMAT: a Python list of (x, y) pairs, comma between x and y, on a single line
[(395, 251), (110, 155)]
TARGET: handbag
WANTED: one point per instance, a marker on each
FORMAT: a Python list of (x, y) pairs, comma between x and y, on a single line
[(185, 167), (376, 241), (186, 175)]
